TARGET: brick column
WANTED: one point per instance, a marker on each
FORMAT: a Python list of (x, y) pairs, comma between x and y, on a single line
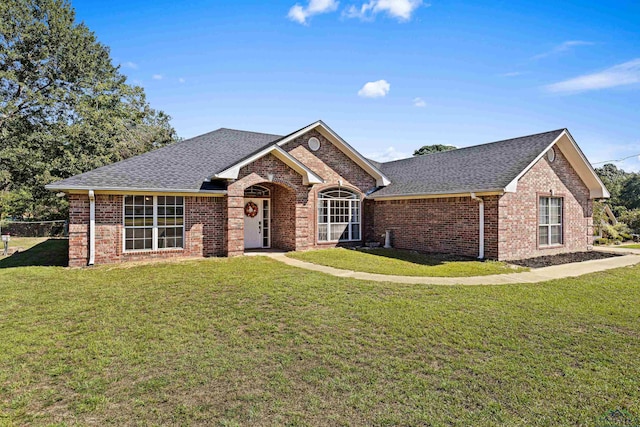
[(235, 220), (78, 230)]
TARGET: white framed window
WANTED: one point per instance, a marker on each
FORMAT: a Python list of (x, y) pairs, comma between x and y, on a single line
[(550, 221), (153, 222), (339, 215)]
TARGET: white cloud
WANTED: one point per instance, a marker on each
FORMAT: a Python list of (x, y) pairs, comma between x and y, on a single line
[(618, 75), (375, 89), (399, 9), (181, 80), (131, 65), (301, 14), (157, 77), (387, 155), (419, 102), (562, 47)]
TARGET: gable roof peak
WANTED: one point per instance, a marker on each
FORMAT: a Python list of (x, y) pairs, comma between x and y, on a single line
[(557, 132)]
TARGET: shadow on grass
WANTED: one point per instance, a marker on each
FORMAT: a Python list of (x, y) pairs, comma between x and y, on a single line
[(51, 252), (429, 259)]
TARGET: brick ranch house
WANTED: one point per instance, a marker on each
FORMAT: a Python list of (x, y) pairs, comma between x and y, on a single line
[(227, 191)]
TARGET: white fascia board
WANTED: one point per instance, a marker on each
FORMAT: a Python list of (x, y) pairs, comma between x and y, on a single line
[(308, 176), (381, 179), (598, 191), (127, 190), (497, 192), (512, 187)]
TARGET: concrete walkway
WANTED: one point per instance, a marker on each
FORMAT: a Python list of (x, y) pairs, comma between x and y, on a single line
[(534, 276)]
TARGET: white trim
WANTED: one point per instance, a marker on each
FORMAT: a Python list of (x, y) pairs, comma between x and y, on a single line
[(351, 201), (154, 227), (92, 227), (433, 195), (550, 224), (480, 225), (261, 212), (308, 176), (595, 192), (135, 190), (381, 179), (269, 219)]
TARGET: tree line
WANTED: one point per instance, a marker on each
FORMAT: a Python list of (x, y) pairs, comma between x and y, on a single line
[(65, 108), (625, 195)]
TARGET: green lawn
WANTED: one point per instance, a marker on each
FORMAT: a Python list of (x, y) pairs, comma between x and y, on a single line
[(251, 341), (403, 263), (36, 251), (631, 246)]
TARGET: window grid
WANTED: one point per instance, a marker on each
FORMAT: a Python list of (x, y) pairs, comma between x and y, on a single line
[(550, 221), (153, 222), (338, 216)]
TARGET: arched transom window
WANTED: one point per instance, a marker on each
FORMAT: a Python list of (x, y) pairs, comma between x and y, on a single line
[(256, 191), (338, 215)]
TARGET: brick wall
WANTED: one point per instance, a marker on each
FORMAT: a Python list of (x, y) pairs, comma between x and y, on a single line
[(289, 202), (329, 162), (204, 225), (78, 230), (518, 212), (294, 213), (333, 166), (444, 225)]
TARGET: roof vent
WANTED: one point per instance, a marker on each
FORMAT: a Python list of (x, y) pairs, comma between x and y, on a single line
[(314, 143), (551, 155)]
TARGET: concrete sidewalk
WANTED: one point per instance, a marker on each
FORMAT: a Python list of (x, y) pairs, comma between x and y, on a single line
[(534, 276), (621, 249)]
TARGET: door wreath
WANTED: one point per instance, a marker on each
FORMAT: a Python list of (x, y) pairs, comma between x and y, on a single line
[(251, 209)]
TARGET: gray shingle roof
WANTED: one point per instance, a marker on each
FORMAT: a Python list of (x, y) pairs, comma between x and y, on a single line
[(185, 165), (478, 168), (180, 166)]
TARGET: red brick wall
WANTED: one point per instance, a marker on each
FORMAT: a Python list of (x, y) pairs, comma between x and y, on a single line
[(204, 223), (283, 218), (294, 211), (289, 198), (78, 230), (444, 225), (330, 163), (333, 166), (518, 212)]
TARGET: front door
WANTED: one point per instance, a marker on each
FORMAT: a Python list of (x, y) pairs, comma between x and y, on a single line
[(256, 223)]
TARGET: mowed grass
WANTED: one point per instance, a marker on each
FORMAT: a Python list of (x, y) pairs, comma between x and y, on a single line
[(402, 263), (252, 341), (631, 246), (41, 251)]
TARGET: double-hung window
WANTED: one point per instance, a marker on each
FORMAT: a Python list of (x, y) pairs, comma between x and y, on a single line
[(153, 222), (550, 221), (338, 216)]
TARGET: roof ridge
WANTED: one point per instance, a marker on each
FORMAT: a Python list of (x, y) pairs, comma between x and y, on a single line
[(476, 145), (246, 131)]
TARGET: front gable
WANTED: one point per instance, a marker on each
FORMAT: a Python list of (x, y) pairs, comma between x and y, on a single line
[(329, 162), (333, 161), (308, 176), (334, 152), (576, 160)]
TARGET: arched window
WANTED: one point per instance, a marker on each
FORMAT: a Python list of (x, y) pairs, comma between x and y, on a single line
[(256, 191), (338, 215)]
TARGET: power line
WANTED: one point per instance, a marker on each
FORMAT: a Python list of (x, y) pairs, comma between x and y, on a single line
[(620, 160)]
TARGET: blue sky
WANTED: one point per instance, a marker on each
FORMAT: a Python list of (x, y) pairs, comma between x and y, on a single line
[(387, 75)]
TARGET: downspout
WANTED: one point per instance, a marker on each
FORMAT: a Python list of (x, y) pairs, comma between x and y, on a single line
[(481, 225), (92, 227)]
